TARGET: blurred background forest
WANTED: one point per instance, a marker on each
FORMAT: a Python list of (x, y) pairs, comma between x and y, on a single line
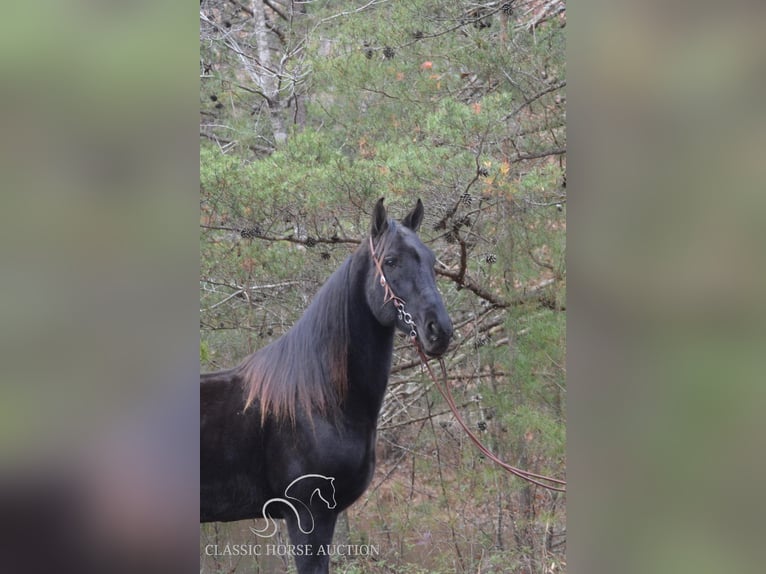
[(310, 111)]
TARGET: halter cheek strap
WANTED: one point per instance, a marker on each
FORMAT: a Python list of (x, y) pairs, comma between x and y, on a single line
[(389, 295)]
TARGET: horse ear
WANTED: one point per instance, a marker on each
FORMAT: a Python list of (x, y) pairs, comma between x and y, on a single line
[(415, 217), (379, 220)]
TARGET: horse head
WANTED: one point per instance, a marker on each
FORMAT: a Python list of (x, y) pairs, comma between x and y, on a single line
[(401, 289)]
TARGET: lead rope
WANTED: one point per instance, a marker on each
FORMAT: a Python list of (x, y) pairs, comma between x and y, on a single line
[(447, 394), (537, 479)]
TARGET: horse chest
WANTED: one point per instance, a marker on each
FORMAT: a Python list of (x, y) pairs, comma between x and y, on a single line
[(346, 454), (357, 471)]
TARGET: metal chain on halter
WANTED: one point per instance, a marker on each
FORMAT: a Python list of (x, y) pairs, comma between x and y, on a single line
[(406, 318)]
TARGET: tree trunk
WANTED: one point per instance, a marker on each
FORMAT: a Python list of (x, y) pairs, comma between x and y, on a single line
[(267, 74)]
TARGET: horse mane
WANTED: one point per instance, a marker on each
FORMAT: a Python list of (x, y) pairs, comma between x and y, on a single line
[(307, 367)]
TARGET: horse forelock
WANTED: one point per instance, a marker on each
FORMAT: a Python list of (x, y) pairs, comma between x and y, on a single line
[(306, 368), (382, 242), (398, 234)]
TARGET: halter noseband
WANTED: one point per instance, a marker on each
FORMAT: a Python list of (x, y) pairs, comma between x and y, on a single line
[(389, 295)]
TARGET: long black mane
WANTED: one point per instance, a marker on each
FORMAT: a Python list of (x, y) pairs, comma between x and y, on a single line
[(307, 367)]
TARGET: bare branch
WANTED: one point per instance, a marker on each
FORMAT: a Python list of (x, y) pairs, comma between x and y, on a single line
[(525, 156), (308, 241), (537, 96), (279, 12), (227, 142), (370, 4)]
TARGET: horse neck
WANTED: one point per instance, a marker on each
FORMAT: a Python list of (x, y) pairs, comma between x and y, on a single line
[(370, 350)]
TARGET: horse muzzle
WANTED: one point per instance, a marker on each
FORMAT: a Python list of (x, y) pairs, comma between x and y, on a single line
[(435, 336)]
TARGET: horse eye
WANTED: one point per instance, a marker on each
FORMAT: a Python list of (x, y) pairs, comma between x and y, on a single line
[(390, 261)]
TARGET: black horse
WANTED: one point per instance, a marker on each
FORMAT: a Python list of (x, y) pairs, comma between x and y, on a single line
[(307, 405)]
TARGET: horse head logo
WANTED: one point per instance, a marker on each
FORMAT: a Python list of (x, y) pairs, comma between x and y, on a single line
[(325, 490)]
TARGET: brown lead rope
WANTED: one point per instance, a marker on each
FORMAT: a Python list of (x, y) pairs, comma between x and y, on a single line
[(447, 394), (537, 479)]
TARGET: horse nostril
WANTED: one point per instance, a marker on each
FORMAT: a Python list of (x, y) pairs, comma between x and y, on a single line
[(433, 329)]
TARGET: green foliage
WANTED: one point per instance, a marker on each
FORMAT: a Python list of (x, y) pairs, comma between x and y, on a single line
[(406, 100)]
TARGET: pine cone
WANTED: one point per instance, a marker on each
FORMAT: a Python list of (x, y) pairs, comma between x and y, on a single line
[(250, 232)]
